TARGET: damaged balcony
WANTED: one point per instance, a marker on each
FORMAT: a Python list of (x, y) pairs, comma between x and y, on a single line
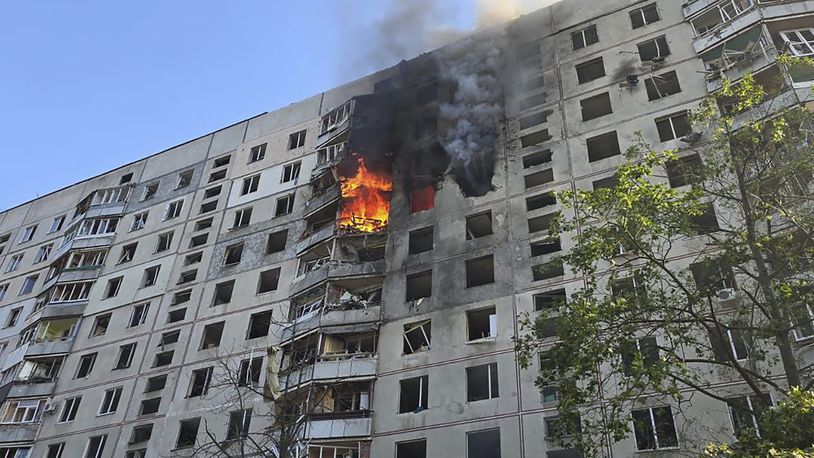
[(332, 413), (748, 52), (358, 256), (50, 337), (103, 202), (77, 265), (334, 126), (341, 449), (20, 419)]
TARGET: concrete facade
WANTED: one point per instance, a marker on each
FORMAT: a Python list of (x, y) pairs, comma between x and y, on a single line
[(95, 295)]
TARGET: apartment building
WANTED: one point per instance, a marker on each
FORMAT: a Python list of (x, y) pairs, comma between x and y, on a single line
[(357, 282)]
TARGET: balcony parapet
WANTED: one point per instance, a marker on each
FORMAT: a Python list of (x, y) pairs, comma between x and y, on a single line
[(334, 428), (331, 316), (331, 367), (316, 203), (18, 432), (49, 347), (336, 270), (318, 237)]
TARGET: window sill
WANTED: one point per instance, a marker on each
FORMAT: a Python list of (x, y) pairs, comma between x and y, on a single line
[(481, 340), (657, 450)]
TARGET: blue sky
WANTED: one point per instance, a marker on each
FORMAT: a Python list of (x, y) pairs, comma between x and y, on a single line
[(88, 85)]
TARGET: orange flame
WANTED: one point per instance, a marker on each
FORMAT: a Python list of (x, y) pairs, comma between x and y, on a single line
[(365, 199)]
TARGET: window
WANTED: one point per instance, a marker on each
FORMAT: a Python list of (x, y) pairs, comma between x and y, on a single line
[(149, 406), (422, 199), (173, 209), (291, 172), (28, 234), (243, 217), (480, 271), (71, 292), (479, 225), (483, 444), (541, 223), (128, 252), (259, 324), (221, 161), (285, 205), (113, 286), (3, 240), (481, 324), (100, 324), (800, 42), (56, 224), (150, 191), (3, 290), (215, 176), (540, 201), (181, 296), (239, 423), (213, 191), (28, 284), (590, 70), (198, 240), (673, 126), (13, 316), (250, 184), (164, 242), (549, 300), (269, 280), (156, 383), (276, 241), (203, 224), (22, 411), (184, 179), (413, 394), (417, 337), (208, 207), (200, 380), (729, 342), (111, 401), (643, 351), (14, 262), (685, 170), (139, 453), (643, 16), (545, 246), (141, 434), (535, 138), (330, 153), (557, 428), (223, 292), (538, 178), (419, 285), (296, 140), (55, 450), (211, 335), (250, 370), (603, 146), (188, 276), (43, 253), (86, 363), (659, 86), (654, 428), (176, 315), (257, 153), (126, 353), (421, 240), (412, 449), (533, 119), (139, 221), (139, 315), (193, 258), (584, 37), (654, 49), (712, 275), (169, 338), (96, 446), (163, 358), (596, 106), (746, 412), (150, 276), (69, 409), (188, 432), (481, 382), (802, 322), (232, 254)]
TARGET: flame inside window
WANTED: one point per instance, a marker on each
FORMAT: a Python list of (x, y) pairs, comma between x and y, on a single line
[(365, 199)]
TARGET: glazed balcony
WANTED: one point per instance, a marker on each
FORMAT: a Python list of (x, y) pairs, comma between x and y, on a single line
[(323, 199), (335, 124), (316, 238), (353, 424), (336, 270), (18, 432), (331, 367), (334, 315)]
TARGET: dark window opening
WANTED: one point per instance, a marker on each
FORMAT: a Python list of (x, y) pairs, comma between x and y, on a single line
[(533, 119), (535, 138), (483, 444), (201, 379), (481, 382), (480, 271), (222, 161), (277, 241), (541, 223), (532, 101), (149, 406), (479, 225), (654, 49), (212, 192), (606, 183), (538, 178), (421, 240), (596, 106), (419, 285), (544, 247), (591, 70), (176, 315), (198, 240), (208, 207), (706, 222), (215, 176), (163, 359), (141, 434), (584, 37), (685, 170), (538, 158), (481, 324), (155, 383), (412, 449), (250, 370), (239, 424), (713, 275), (233, 254), (646, 350), (269, 281), (417, 337), (549, 300), (659, 86), (211, 335), (654, 428), (673, 127), (223, 292), (422, 199), (188, 433), (547, 270), (540, 201), (413, 395), (259, 324), (641, 17), (603, 146)]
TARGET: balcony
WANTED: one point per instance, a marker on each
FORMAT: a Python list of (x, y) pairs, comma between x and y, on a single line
[(333, 315), (333, 367), (331, 428), (49, 347), (18, 432), (333, 270), (335, 124), (316, 203), (84, 242), (746, 53), (318, 237), (31, 388), (726, 29)]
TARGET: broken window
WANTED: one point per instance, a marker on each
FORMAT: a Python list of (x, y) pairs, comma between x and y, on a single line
[(100, 324), (269, 280), (188, 432), (250, 184), (211, 335), (141, 434), (113, 286), (188, 276), (546, 246), (150, 190), (296, 140), (174, 209), (181, 296), (541, 223), (257, 153), (276, 241), (606, 183), (590, 70), (549, 300), (746, 412), (285, 205), (198, 240), (728, 342), (685, 170), (222, 161), (169, 338), (654, 49), (223, 292), (480, 271), (86, 363), (547, 270), (538, 158), (291, 172), (110, 402), (535, 138), (164, 241), (215, 176), (259, 324), (126, 353), (481, 324), (193, 258), (596, 106), (540, 201), (199, 381), (654, 428), (584, 37), (673, 126), (479, 225), (139, 221), (239, 423), (417, 337), (163, 358), (69, 409), (203, 224), (250, 370), (212, 192), (232, 254), (603, 146), (139, 315), (422, 199), (155, 383), (481, 382), (659, 86), (421, 240), (645, 350), (533, 119), (412, 449), (418, 286), (150, 276), (413, 395), (184, 179), (643, 16), (483, 444), (176, 315), (243, 217), (706, 222), (538, 178)]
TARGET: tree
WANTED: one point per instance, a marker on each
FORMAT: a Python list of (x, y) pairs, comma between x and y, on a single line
[(688, 286)]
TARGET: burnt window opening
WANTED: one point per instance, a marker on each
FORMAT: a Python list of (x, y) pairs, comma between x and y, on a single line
[(535, 138), (706, 222), (276, 241), (590, 70), (426, 127), (603, 146), (663, 85), (198, 240), (538, 158), (685, 170), (259, 325), (223, 293), (208, 207), (547, 270), (199, 381), (479, 225), (584, 37), (531, 101), (481, 324), (541, 223), (544, 247), (421, 240), (533, 119), (417, 337), (654, 49), (222, 161), (549, 300), (412, 449), (606, 183), (269, 281), (646, 350), (163, 358), (422, 199), (414, 394), (482, 382), (483, 444), (643, 16), (217, 176), (233, 254), (596, 106), (176, 315), (540, 201), (480, 271), (673, 126), (212, 192), (538, 178), (211, 335), (419, 285)]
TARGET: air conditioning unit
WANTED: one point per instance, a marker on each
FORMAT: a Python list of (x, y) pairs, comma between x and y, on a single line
[(50, 408), (725, 294)]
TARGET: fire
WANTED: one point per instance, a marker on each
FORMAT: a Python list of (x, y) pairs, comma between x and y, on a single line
[(365, 199)]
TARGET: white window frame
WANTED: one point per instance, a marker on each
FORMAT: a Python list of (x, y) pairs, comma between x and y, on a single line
[(291, 172), (793, 43), (3, 290), (289, 206), (29, 280), (257, 152), (14, 262), (139, 221), (30, 409), (110, 401), (70, 409), (250, 184), (797, 336), (414, 326), (752, 413), (173, 209), (240, 215), (655, 429), (139, 314), (581, 33), (99, 452), (57, 223), (28, 233), (670, 118), (43, 253), (329, 153)]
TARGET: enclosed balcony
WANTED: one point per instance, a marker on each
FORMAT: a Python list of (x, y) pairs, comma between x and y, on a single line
[(20, 418), (52, 337), (333, 127), (103, 202), (342, 355), (337, 449), (745, 53)]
